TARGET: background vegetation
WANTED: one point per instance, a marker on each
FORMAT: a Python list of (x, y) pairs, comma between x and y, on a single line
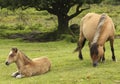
[(35, 25), (56, 7)]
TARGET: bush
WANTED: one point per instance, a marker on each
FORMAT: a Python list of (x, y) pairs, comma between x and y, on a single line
[(35, 27), (75, 28), (19, 27), (113, 2), (69, 38), (2, 26)]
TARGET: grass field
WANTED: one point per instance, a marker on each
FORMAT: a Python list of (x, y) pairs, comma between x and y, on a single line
[(66, 67)]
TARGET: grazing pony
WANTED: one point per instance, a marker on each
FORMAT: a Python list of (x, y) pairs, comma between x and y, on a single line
[(97, 29), (27, 67)]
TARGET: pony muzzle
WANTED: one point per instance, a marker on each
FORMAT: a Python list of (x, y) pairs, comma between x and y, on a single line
[(95, 64), (7, 63)]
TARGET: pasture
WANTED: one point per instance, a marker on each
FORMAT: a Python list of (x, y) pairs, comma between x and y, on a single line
[(66, 67)]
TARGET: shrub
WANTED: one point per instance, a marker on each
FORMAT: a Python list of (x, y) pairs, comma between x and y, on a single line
[(35, 27), (19, 27)]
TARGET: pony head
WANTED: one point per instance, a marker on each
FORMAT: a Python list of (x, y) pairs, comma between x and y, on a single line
[(12, 57), (96, 52)]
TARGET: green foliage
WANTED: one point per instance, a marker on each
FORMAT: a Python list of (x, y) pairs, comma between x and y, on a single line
[(43, 4), (19, 27), (36, 23), (19, 22), (113, 2), (69, 38), (35, 27), (60, 8)]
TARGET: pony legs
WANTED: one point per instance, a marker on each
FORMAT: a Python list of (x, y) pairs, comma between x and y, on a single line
[(103, 58), (112, 49), (81, 44)]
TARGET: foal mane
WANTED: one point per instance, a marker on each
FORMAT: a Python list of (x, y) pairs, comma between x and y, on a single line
[(25, 58)]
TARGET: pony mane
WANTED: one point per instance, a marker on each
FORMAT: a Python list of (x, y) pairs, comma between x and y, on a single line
[(94, 49), (99, 27)]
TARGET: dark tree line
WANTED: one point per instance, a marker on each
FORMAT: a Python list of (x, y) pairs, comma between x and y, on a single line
[(113, 2)]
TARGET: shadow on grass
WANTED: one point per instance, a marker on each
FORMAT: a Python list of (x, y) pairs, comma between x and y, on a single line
[(37, 36)]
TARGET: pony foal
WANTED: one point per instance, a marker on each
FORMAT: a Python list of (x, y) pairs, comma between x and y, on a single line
[(27, 67), (97, 29)]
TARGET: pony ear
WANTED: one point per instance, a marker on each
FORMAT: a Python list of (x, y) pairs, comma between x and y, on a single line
[(14, 49)]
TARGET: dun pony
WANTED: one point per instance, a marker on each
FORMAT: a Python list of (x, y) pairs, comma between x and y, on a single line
[(97, 29), (27, 67)]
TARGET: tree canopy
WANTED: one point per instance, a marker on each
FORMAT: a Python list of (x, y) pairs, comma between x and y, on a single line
[(60, 8)]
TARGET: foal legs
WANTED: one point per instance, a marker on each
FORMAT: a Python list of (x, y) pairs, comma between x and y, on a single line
[(20, 76), (15, 74), (112, 49)]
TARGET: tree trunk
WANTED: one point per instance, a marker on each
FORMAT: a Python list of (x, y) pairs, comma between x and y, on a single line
[(63, 25)]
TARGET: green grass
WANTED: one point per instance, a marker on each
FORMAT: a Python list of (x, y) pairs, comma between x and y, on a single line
[(66, 67)]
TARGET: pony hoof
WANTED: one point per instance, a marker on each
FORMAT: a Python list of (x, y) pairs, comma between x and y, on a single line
[(103, 62), (115, 60), (80, 58)]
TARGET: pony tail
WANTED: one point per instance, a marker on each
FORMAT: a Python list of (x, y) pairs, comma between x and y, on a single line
[(100, 24), (78, 48)]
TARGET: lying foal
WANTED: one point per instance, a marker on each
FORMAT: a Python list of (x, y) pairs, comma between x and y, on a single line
[(27, 67)]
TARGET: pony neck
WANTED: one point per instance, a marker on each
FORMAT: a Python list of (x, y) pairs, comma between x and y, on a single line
[(22, 60)]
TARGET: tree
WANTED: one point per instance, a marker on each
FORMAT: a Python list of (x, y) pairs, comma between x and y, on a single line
[(113, 2), (60, 8)]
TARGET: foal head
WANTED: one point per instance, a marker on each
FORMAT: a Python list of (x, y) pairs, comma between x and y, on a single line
[(96, 52), (12, 57)]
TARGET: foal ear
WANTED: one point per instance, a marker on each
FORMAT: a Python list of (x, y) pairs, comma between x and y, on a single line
[(14, 49)]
